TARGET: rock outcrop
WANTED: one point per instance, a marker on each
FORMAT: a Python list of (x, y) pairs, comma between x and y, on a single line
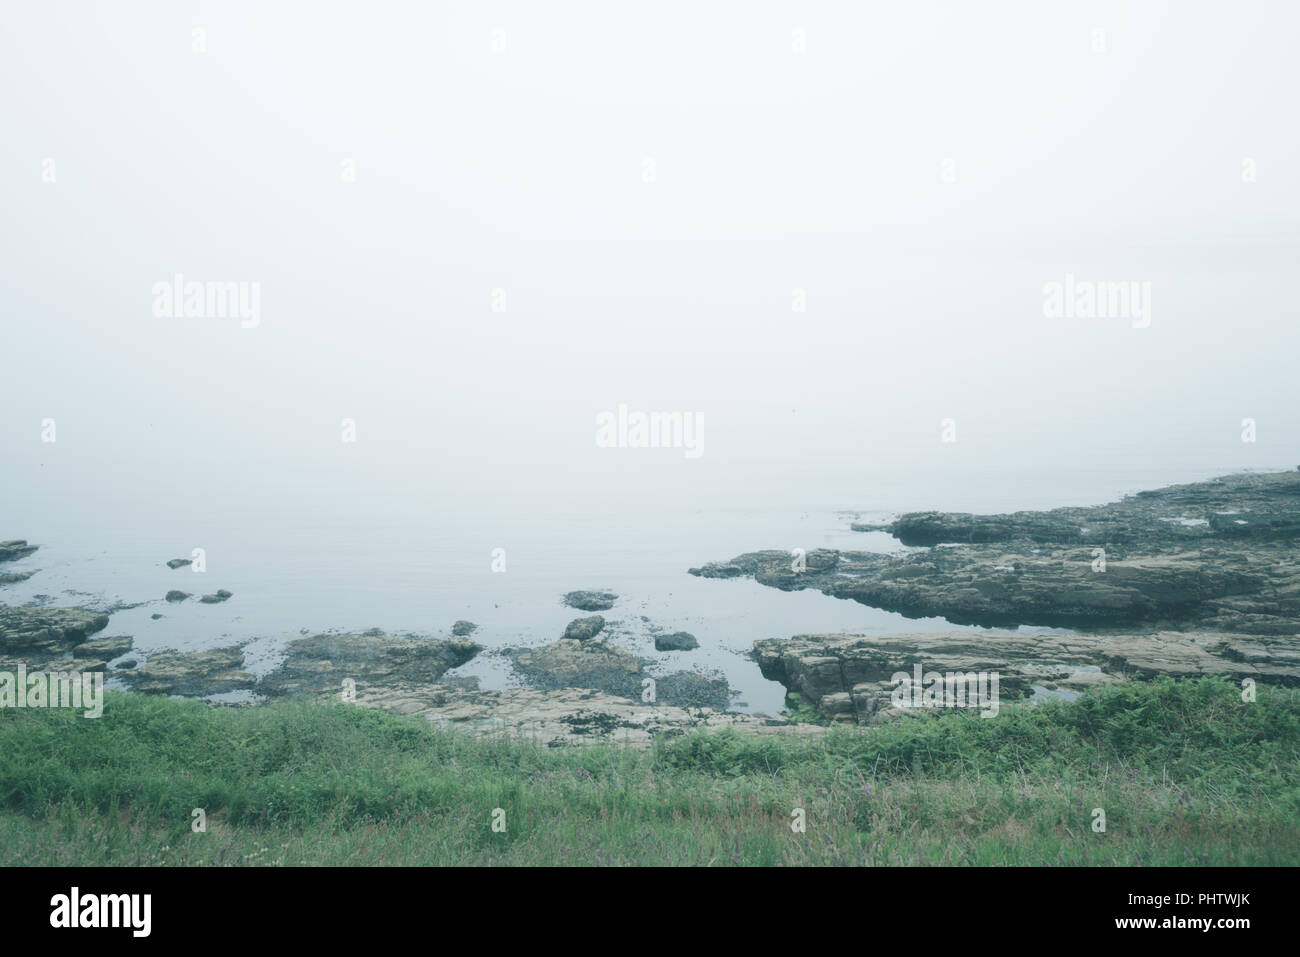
[(676, 641), (320, 663), (599, 666), (38, 633), (580, 664), (104, 649), (191, 673), (584, 629), (1222, 555), (848, 677)]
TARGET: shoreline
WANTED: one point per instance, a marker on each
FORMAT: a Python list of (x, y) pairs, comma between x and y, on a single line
[(1188, 580)]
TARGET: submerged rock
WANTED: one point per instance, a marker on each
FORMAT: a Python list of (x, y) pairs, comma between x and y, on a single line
[(463, 627), (584, 629), (13, 578), (179, 562), (220, 596), (177, 595), (719, 570), (318, 664), (677, 641), (591, 600), (14, 549)]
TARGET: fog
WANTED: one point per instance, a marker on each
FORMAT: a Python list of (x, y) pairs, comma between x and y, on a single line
[(476, 227)]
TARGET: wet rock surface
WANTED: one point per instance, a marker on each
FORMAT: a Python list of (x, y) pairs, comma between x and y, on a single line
[(178, 563), (584, 629), (591, 600), (14, 549), (676, 641), (220, 596), (1222, 555), (177, 595), (462, 628)]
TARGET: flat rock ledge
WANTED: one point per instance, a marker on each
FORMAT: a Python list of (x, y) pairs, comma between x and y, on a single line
[(40, 634), (848, 677), (320, 663), (599, 666), (191, 673), (568, 716)]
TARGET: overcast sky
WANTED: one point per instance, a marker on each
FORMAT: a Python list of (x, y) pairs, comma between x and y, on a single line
[(647, 185)]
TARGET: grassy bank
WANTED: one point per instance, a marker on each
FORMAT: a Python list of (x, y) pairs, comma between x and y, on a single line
[(1186, 772)]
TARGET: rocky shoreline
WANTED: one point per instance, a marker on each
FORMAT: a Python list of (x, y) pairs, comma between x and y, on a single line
[(1190, 580), (582, 687), (1222, 555)]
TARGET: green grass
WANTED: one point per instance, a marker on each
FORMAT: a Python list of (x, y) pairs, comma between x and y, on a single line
[(1186, 772)]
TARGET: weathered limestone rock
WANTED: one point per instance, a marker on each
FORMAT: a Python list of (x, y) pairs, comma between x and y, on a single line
[(46, 631), (104, 649), (585, 664), (1222, 555), (321, 662), (823, 669), (191, 673), (567, 716)]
